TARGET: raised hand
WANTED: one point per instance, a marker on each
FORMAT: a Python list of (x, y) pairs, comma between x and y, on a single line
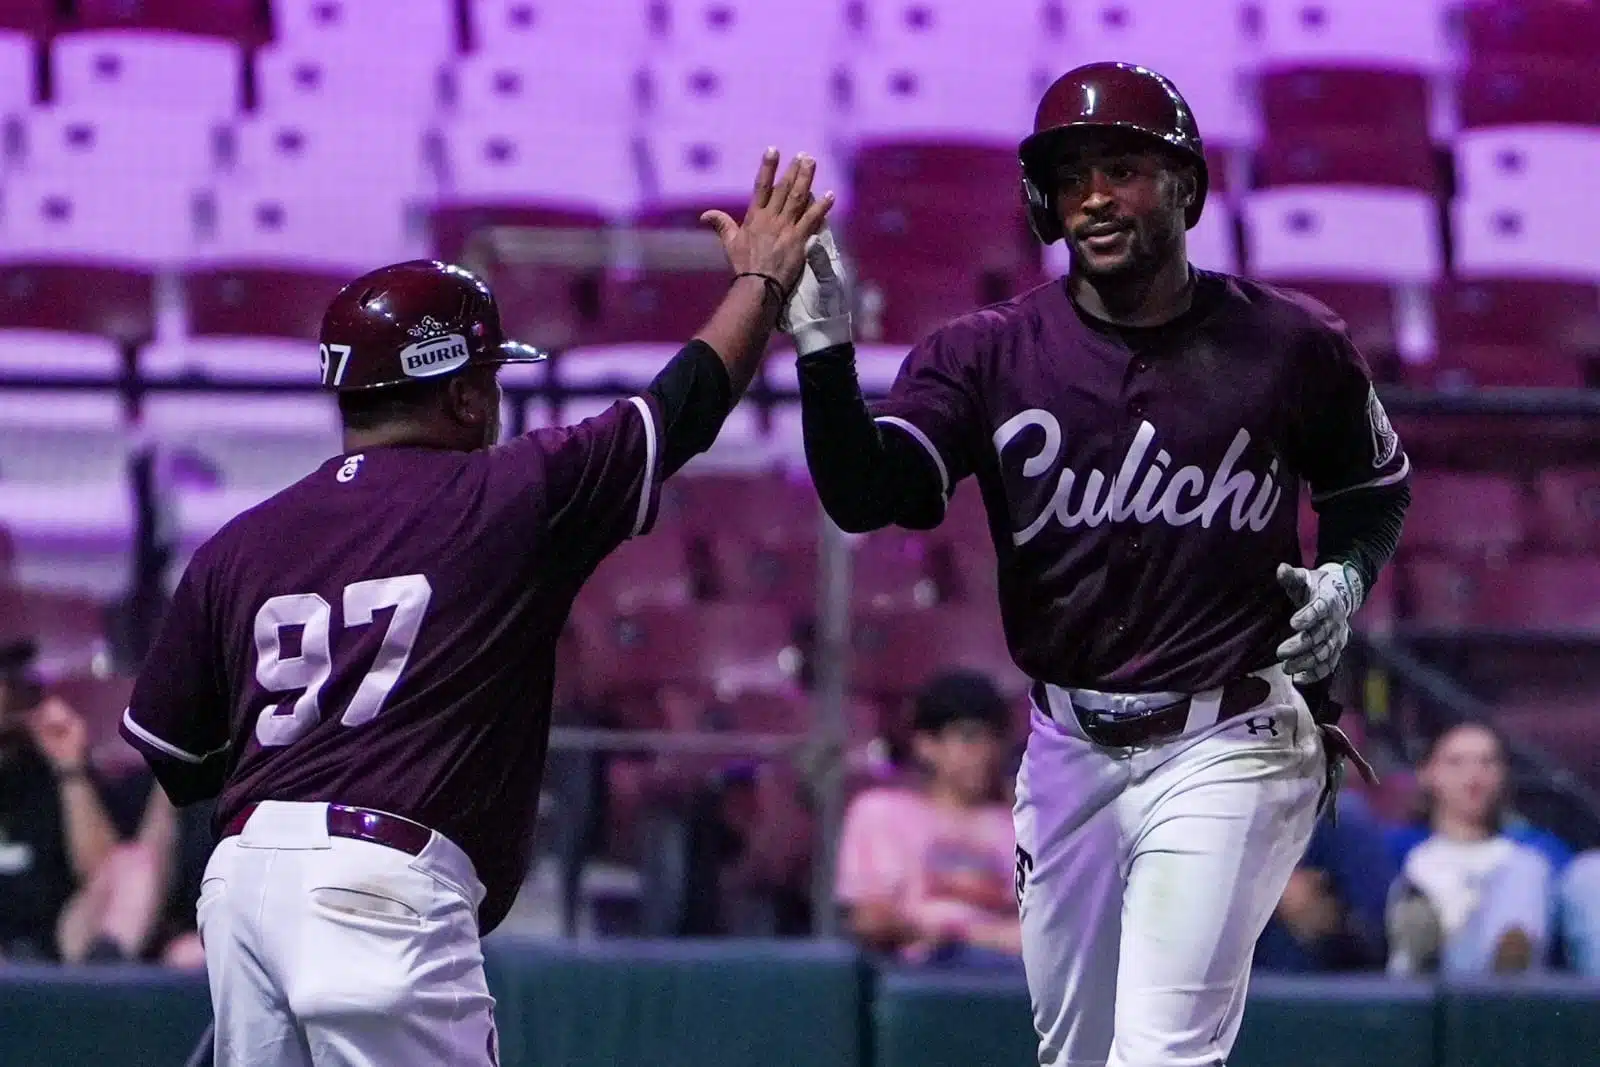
[(781, 217)]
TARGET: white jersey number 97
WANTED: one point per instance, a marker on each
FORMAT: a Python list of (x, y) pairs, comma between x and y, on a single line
[(310, 669)]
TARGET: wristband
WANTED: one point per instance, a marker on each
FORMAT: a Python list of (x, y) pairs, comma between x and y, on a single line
[(774, 290)]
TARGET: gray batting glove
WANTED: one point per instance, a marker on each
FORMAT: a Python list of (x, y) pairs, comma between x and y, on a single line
[(1325, 599), (818, 313)]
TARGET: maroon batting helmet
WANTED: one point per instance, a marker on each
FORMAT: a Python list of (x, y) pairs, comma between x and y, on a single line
[(412, 321), (1118, 96)]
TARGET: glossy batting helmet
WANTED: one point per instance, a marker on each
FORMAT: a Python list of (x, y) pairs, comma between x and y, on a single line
[(1101, 96), (412, 321)]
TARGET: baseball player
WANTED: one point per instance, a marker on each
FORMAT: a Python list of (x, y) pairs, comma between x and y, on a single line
[(1140, 431), (361, 666)]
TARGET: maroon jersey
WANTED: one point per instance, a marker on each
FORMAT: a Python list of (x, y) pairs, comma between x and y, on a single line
[(1142, 485), (383, 632)]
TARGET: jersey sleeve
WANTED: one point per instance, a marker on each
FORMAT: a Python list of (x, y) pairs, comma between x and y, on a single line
[(604, 475), (177, 715), (932, 402), (1346, 441)]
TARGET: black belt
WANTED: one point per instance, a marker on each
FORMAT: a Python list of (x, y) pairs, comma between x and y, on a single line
[(1109, 730)]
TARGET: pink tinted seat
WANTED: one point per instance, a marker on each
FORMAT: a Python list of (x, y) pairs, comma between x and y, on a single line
[(764, 507), (1513, 331), (33, 17), (68, 628), (18, 70), (1549, 592), (1446, 593), (554, 28), (1531, 30), (156, 67), (227, 19), (1464, 514), (1387, 103), (296, 79), (1568, 509), (720, 649), (66, 320), (1515, 92), (649, 570), (414, 33), (247, 323), (895, 652)]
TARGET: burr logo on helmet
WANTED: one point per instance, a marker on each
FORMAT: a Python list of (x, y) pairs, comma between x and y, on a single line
[(437, 355)]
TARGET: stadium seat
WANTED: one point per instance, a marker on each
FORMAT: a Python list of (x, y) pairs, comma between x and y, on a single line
[(18, 67), (68, 628), (68, 320), (1463, 514), (1200, 44), (297, 78), (36, 18), (693, 164), (338, 231), (150, 68), (649, 570), (1326, 202), (1531, 32), (1409, 36), (757, 507), (238, 20), (1509, 235), (1525, 163), (535, 91), (134, 145), (896, 652), (1567, 512), (718, 650), (246, 323), (64, 492), (1549, 593), (1563, 728), (1020, 30), (734, 95), (1518, 93), (732, 27), (895, 99), (1513, 331), (1380, 102), (493, 161), (415, 33), (82, 220), (540, 29), (228, 452), (296, 150), (1446, 594), (621, 369)]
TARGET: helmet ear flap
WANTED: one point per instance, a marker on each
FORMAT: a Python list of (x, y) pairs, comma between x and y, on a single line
[(1041, 212)]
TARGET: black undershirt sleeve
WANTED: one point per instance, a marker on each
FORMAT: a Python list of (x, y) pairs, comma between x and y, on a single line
[(866, 477), (695, 395), (1362, 528)]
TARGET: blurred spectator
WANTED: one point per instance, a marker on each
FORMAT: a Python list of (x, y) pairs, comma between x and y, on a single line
[(749, 849), (1331, 917), (73, 885), (1580, 914), (926, 871), (1470, 898)]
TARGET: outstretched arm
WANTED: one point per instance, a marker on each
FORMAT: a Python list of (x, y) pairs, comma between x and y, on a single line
[(868, 475), (703, 382)]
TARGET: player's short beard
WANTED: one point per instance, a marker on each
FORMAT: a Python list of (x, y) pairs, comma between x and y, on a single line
[(1155, 238)]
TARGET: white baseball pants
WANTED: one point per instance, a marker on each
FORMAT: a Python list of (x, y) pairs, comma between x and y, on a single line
[(1146, 876), (328, 952)]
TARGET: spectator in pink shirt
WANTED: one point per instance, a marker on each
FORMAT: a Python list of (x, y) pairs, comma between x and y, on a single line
[(926, 871)]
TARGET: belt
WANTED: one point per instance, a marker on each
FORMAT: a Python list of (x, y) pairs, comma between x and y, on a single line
[(1130, 722), (358, 824)]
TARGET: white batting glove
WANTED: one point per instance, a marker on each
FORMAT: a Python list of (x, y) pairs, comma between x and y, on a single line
[(818, 312), (1326, 598)]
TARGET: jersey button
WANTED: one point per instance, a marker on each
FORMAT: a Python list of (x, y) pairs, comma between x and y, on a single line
[(1136, 409)]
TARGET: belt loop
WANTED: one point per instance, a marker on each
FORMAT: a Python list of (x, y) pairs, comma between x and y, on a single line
[(1204, 710)]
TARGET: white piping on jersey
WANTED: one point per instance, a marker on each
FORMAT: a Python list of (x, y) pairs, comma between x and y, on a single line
[(923, 440), (155, 742), (1160, 492), (649, 462), (1387, 479)]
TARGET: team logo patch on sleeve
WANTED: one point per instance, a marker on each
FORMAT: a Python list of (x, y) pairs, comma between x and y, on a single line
[(1385, 442)]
